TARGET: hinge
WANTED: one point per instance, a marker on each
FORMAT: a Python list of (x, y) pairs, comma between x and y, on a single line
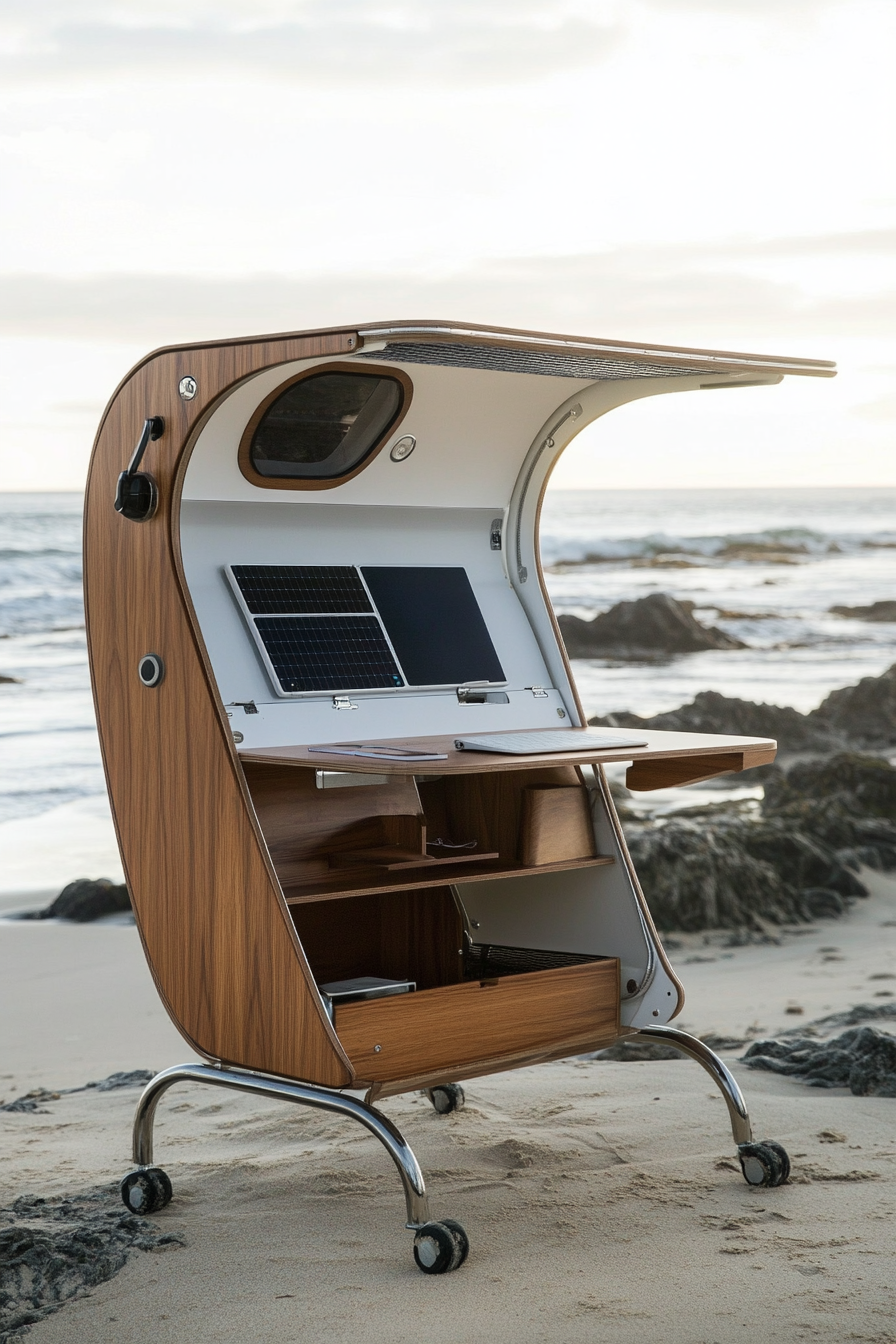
[(494, 534), (343, 702), (538, 692)]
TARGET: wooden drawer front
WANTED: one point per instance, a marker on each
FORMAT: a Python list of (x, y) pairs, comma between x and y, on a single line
[(446, 1028)]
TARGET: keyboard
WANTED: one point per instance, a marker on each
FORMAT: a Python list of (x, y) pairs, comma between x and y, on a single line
[(534, 743)]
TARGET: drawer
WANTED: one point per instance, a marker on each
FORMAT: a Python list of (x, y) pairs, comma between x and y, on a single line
[(457, 1025)]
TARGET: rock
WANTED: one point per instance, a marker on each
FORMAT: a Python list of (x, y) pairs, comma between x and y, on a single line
[(710, 712), (55, 1250), (642, 629), (10, 681), (864, 714), (86, 899), (128, 1078), (703, 877), (878, 611), (797, 861), (862, 1059), (634, 1052)]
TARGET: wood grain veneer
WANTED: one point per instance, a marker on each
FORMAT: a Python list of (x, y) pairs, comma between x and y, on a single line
[(217, 933), (458, 1025), (555, 824), (659, 745), (643, 776)]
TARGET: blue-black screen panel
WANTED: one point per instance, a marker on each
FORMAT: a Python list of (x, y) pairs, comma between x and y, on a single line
[(434, 623), (273, 589), (328, 653)]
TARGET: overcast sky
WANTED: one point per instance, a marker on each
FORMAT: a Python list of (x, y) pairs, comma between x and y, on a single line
[(718, 173)]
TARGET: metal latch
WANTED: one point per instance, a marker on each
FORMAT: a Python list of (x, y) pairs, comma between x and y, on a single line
[(538, 692), (494, 534), (478, 695), (248, 706), (343, 702)]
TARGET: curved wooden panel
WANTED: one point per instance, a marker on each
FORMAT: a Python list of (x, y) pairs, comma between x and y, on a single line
[(215, 928)]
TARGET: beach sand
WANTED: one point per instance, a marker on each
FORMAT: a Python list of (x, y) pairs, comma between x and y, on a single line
[(602, 1200)]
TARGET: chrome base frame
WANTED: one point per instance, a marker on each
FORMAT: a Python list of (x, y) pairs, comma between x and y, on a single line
[(304, 1094), (721, 1076)]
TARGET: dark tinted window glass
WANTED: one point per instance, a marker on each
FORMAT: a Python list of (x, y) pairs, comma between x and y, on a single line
[(324, 426)]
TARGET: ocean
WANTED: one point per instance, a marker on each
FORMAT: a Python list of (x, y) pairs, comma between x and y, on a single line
[(765, 565)]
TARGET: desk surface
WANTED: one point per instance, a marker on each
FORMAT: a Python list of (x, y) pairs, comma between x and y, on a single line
[(660, 746)]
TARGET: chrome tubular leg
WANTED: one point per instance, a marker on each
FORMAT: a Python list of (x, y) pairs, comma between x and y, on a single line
[(304, 1094), (721, 1076)]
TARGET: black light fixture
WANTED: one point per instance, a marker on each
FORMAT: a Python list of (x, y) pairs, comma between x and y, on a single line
[(137, 496)]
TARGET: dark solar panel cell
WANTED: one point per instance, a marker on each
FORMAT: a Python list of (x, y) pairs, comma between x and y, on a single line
[(328, 653), (434, 623), (301, 588)]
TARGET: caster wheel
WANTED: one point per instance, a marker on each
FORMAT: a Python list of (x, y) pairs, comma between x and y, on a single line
[(146, 1191), (460, 1237), (440, 1247), (447, 1097), (764, 1163)]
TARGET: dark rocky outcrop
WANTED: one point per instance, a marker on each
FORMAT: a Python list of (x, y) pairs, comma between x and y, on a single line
[(34, 1102), (797, 861), (86, 899), (649, 627), (710, 712), (862, 1059), (55, 1250), (878, 611), (862, 716)]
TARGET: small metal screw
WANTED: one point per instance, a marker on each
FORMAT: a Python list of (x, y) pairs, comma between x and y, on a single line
[(561, 713), (237, 737), (475, 923), (188, 387), (377, 1049)]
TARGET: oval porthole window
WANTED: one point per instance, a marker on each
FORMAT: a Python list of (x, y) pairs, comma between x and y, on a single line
[(322, 426)]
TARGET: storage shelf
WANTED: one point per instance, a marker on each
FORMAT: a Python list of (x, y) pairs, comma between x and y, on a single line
[(351, 883)]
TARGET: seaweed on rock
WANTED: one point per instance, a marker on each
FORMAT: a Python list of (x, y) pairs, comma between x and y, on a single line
[(862, 1059), (797, 861)]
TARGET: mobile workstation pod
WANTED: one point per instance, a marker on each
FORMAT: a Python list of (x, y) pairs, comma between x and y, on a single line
[(314, 581)]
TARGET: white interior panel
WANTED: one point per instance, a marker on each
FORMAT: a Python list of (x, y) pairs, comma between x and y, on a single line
[(310, 533), (472, 427)]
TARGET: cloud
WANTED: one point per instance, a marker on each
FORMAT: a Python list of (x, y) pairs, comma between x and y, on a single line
[(315, 42), (690, 295)]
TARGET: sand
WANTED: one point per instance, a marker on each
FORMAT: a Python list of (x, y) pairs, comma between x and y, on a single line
[(602, 1200)]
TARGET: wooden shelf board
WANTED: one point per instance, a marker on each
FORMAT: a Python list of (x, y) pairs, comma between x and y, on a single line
[(745, 752), (393, 859), (347, 884)]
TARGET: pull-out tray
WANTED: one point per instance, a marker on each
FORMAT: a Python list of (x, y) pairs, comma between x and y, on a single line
[(459, 1025)]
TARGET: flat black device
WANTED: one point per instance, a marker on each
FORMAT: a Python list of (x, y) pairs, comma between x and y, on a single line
[(336, 628)]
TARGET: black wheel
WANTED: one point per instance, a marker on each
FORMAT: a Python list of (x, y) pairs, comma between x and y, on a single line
[(460, 1237), (764, 1163), (447, 1097), (440, 1247), (146, 1190)]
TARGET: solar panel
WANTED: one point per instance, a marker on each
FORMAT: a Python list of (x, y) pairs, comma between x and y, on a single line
[(434, 623), (319, 629), (301, 589), (328, 653)]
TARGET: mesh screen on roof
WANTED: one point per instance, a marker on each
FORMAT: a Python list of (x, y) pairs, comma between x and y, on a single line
[(505, 360)]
